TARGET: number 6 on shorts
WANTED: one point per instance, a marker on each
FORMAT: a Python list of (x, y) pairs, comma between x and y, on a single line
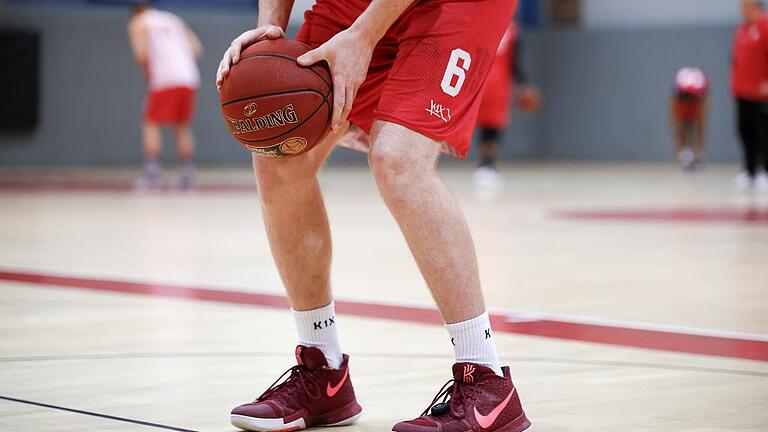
[(454, 70)]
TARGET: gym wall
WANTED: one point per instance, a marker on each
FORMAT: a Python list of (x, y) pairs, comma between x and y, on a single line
[(606, 90)]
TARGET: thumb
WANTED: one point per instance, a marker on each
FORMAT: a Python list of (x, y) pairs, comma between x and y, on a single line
[(275, 32), (310, 57)]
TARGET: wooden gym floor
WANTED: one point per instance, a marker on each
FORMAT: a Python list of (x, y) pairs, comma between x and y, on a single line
[(624, 297)]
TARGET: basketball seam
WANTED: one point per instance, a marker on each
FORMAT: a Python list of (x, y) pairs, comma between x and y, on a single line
[(327, 119), (325, 97), (284, 57), (325, 102)]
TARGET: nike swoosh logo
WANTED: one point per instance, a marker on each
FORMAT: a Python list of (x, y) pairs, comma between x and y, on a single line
[(332, 390), (485, 421)]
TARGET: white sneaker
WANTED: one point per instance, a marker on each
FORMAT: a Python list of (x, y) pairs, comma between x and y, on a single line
[(488, 178), (761, 182), (149, 183), (687, 159), (742, 182)]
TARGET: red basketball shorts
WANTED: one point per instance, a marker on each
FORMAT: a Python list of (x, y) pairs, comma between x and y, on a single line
[(428, 71), (494, 105), (688, 109), (173, 106)]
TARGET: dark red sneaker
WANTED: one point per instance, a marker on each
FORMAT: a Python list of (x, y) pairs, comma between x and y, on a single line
[(313, 395), (480, 401)]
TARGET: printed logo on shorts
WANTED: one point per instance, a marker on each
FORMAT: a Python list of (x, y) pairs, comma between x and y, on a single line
[(438, 110)]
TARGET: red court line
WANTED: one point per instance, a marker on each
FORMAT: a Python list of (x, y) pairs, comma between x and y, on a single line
[(64, 185), (684, 342), (752, 215)]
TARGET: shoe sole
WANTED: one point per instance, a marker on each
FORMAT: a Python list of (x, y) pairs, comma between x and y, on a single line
[(256, 424), (517, 425), (266, 424)]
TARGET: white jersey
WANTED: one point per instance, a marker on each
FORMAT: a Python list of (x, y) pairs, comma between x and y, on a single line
[(170, 57)]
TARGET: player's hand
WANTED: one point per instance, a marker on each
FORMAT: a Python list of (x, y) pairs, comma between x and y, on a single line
[(529, 101), (232, 54), (348, 54), (764, 89)]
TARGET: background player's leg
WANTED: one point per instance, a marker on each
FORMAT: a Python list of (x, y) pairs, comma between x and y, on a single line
[(300, 238), (486, 175), (489, 147), (679, 134), (761, 181), (697, 143), (404, 164), (747, 134), (152, 146), (685, 154), (185, 148)]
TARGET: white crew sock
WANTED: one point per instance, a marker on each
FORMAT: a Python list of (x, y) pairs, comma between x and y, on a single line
[(317, 328), (473, 342)]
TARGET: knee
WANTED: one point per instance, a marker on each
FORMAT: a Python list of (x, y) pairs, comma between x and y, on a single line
[(392, 168), (387, 165), (182, 131), (272, 174), (400, 158)]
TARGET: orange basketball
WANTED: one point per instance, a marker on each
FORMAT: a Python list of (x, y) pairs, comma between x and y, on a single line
[(273, 106)]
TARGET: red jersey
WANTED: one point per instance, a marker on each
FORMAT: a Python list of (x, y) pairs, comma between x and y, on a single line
[(692, 81), (690, 91), (750, 60), (688, 108)]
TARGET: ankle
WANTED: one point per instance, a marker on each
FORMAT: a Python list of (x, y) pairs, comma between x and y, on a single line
[(473, 342), (317, 328)]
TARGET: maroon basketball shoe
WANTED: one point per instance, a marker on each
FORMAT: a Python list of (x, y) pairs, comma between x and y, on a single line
[(313, 395), (480, 401)]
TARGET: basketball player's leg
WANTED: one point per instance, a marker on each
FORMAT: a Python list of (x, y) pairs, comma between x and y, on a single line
[(487, 175), (152, 147), (678, 132), (299, 238), (180, 109), (152, 140), (697, 141), (429, 105), (160, 110), (761, 181), (296, 223), (404, 165), (292, 204), (185, 142), (748, 133), (489, 146), (685, 134), (300, 241), (185, 149)]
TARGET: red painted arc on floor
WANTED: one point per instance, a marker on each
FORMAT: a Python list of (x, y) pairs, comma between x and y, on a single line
[(47, 185), (629, 336), (748, 215)]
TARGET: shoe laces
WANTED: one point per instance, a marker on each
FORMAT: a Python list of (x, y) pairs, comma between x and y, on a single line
[(299, 379), (457, 393)]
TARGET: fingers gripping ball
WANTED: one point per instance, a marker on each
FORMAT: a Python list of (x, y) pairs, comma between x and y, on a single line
[(273, 106)]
